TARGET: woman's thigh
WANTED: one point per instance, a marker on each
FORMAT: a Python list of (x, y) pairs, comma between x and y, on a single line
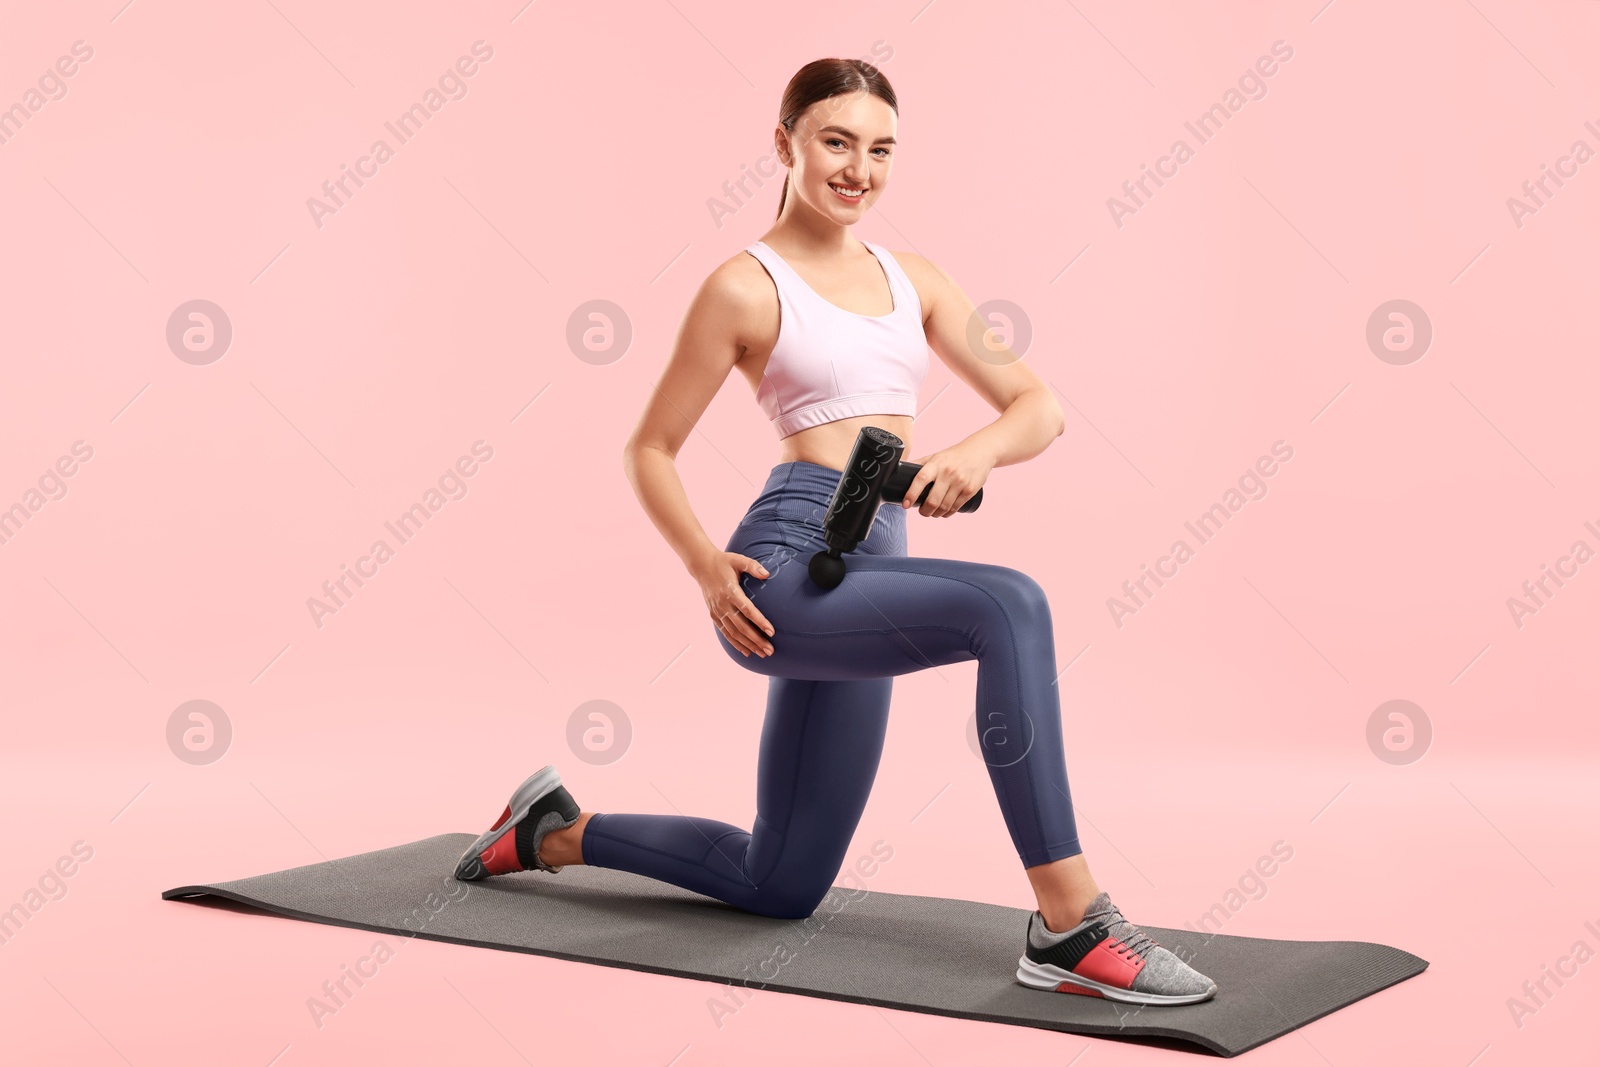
[(891, 615)]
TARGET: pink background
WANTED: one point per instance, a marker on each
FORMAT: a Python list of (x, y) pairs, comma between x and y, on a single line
[(431, 311)]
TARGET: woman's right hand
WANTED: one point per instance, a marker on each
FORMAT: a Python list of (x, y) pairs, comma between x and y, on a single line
[(733, 613)]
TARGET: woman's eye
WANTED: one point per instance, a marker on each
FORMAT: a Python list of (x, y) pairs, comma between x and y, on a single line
[(883, 153)]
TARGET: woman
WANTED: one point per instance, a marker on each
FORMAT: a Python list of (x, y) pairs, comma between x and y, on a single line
[(833, 335)]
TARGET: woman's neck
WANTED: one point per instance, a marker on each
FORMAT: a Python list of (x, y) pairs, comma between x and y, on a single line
[(819, 240)]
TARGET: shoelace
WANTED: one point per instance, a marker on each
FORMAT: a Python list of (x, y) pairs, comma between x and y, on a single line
[(1135, 942)]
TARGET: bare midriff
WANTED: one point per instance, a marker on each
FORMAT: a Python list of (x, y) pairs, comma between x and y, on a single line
[(829, 444)]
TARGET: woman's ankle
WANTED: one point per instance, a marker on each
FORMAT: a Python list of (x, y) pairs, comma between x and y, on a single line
[(564, 847), (1060, 917), (1064, 889)]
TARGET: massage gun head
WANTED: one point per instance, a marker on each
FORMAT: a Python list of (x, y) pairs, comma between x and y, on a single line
[(826, 569)]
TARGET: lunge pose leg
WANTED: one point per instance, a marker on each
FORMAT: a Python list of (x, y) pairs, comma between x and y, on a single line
[(835, 653)]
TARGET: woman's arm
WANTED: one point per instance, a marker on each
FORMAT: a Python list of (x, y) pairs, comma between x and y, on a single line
[(707, 346), (710, 341), (1030, 418)]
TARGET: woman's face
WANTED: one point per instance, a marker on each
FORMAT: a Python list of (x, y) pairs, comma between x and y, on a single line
[(842, 149)]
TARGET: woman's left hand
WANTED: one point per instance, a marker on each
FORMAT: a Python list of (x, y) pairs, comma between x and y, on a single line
[(956, 472)]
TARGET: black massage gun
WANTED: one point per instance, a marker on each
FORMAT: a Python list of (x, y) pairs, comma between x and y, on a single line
[(874, 475)]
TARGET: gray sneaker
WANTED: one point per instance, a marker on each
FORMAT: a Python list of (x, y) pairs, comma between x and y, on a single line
[(540, 804), (1107, 956)]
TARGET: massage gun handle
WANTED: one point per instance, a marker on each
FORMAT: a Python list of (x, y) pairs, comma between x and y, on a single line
[(894, 490)]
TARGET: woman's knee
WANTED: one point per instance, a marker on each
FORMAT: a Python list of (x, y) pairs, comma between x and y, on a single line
[(787, 899), (1022, 599)]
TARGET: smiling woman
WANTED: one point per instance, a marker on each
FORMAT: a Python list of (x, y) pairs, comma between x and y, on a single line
[(833, 334), (736, 193), (831, 89)]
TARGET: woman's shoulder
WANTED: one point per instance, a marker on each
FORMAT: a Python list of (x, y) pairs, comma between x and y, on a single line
[(919, 268), (741, 274), (926, 277), (738, 300), (738, 285)]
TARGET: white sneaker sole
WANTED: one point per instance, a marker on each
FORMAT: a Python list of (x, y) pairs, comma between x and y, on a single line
[(1046, 976)]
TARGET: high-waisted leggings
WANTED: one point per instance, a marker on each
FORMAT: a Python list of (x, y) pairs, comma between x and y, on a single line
[(835, 655)]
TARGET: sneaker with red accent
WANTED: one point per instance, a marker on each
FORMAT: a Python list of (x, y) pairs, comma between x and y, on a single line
[(539, 805), (1107, 956)]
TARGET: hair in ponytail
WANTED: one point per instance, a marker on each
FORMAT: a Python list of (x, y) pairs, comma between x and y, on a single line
[(822, 78)]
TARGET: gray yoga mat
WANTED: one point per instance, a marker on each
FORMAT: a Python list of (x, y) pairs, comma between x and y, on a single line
[(929, 954)]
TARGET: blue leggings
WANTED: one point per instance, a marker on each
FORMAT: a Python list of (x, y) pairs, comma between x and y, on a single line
[(835, 655)]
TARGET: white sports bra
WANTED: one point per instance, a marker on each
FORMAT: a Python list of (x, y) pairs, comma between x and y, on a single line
[(829, 363)]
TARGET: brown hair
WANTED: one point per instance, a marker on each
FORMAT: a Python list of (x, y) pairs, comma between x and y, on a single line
[(822, 78)]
